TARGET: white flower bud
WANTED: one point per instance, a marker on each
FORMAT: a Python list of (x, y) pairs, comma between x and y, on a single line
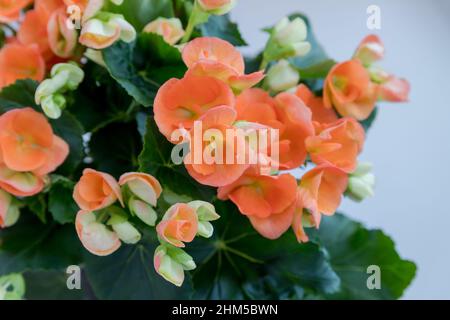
[(282, 76)]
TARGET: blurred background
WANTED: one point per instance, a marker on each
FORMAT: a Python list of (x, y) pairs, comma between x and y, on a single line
[(408, 144)]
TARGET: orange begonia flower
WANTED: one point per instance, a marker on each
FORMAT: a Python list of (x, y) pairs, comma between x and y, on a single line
[(28, 144), (96, 190), (218, 58), (287, 113), (20, 184), (10, 9), (143, 185), (349, 89), (337, 144), (18, 61), (62, 39), (179, 225), (320, 113), (268, 201), (222, 172), (180, 102), (95, 236)]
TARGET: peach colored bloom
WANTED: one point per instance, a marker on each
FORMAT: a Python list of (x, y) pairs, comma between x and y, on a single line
[(337, 144), (394, 89), (20, 184), (62, 40), (170, 29), (143, 185), (18, 61), (96, 190), (223, 171), (268, 201), (315, 104), (370, 50), (287, 113), (179, 224), (28, 144), (10, 9), (218, 7), (180, 102), (95, 236), (218, 58), (349, 89)]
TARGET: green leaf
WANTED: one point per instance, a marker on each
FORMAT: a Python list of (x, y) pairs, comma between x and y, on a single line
[(60, 201), (352, 248), (115, 148), (50, 285), (142, 66), (71, 131), (317, 71), (238, 263), (129, 274), (32, 245), (367, 124), (38, 205), (18, 95), (140, 12), (155, 159), (222, 27)]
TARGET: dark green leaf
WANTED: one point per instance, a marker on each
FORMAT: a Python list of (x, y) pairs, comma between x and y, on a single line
[(141, 65), (317, 71), (140, 12), (49, 285), (38, 205), (367, 124), (32, 245), (352, 249), (115, 148), (222, 27), (18, 95), (129, 274), (239, 263), (60, 201), (70, 130)]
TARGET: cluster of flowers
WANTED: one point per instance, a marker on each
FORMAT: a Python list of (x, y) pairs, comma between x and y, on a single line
[(102, 225), (29, 151), (216, 92)]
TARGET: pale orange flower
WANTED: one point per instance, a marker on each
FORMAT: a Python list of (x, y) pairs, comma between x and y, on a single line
[(95, 236), (285, 112), (28, 144), (337, 144), (10, 9), (218, 58), (179, 225), (349, 89), (320, 113), (180, 102), (18, 61), (221, 172), (268, 201), (62, 39), (96, 190), (143, 185)]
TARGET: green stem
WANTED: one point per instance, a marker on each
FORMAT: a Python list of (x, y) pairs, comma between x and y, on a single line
[(198, 16)]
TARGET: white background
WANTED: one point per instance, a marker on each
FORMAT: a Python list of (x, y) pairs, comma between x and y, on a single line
[(409, 143)]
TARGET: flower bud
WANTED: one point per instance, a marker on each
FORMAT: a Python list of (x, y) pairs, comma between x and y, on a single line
[(217, 7), (127, 232), (170, 263), (53, 105), (143, 211), (282, 77), (74, 74), (179, 225), (361, 182), (9, 212), (288, 39), (370, 50), (170, 29), (12, 287), (143, 186), (95, 56), (205, 211)]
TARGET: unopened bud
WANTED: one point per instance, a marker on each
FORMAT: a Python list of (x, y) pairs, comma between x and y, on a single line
[(361, 182), (282, 76), (143, 211)]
